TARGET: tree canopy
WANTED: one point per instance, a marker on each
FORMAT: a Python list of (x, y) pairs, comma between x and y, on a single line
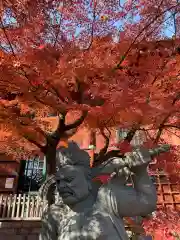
[(108, 62), (100, 63)]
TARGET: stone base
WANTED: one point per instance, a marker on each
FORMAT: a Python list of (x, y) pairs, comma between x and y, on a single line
[(20, 230)]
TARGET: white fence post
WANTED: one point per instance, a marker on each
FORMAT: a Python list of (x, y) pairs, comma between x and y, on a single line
[(21, 207)]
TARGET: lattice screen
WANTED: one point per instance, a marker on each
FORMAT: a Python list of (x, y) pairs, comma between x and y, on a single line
[(168, 191)]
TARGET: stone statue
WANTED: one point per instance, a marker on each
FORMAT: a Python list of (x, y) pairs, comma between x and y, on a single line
[(93, 212)]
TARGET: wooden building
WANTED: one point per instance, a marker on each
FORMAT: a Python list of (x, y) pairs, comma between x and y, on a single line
[(27, 176), (9, 174)]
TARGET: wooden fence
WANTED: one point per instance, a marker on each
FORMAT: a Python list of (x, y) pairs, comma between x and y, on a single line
[(21, 207), (16, 207)]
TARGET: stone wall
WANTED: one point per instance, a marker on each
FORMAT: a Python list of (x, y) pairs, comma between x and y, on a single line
[(20, 230)]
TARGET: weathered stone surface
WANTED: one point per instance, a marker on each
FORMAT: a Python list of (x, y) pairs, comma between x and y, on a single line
[(33, 237), (10, 224), (8, 231), (20, 230), (24, 231), (89, 212), (11, 237), (35, 230)]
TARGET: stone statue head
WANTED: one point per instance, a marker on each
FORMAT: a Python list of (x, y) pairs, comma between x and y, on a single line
[(73, 174)]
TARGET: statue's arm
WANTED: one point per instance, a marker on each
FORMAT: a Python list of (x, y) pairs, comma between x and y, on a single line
[(139, 200), (137, 157), (48, 229)]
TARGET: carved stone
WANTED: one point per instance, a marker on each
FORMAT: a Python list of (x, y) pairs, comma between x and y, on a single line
[(89, 211)]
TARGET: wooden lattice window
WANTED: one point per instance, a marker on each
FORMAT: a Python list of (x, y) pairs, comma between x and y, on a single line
[(168, 191), (31, 175)]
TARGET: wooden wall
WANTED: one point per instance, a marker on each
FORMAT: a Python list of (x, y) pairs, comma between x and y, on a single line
[(9, 173)]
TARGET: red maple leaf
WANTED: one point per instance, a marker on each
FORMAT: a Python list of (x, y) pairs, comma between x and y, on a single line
[(124, 147), (42, 46), (102, 178)]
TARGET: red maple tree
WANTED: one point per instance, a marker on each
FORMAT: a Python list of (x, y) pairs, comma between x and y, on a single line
[(59, 59), (47, 71)]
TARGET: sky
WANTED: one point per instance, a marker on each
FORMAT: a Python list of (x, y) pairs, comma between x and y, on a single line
[(168, 30)]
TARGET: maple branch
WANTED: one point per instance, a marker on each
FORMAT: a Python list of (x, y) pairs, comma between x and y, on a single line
[(171, 126), (79, 91), (177, 98), (57, 93), (6, 82), (3, 48), (174, 20), (77, 122), (60, 128), (175, 27), (81, 98), (147, 129), (38, 129), (24, 74), (155, 28), (120, 5), (48, 90), (142, 30), (42, 148), (157, 76), (92, 27), (5, 33), (161, 126), (173, 133), (147, 132), (59, 25), (43, 102), (107, 139), (39, 100), (100, 157), (104, 156), (131, 133)]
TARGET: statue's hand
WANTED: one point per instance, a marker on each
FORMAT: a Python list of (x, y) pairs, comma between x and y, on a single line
[(159, 149), (137, 158), (111, 165), (142, 156)]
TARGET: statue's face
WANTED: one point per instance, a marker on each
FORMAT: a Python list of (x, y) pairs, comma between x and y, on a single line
[(72, 184)]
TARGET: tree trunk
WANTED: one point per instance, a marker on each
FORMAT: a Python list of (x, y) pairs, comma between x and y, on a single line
[(47, 190), (51, 169), (51, 159)]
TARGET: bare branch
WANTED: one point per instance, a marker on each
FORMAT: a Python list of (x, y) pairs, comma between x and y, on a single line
[(161, 126), (78, 122), (131, 133), (145, 27), (92, 27), (58, 133), (177, 98), (173, 133), (57, 93), (171, 126), (43, 102), (174, 20), (42, 148), (107, 139), (100, 157), (60, 22), (51, 88), (147, 132), (5, 33)]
